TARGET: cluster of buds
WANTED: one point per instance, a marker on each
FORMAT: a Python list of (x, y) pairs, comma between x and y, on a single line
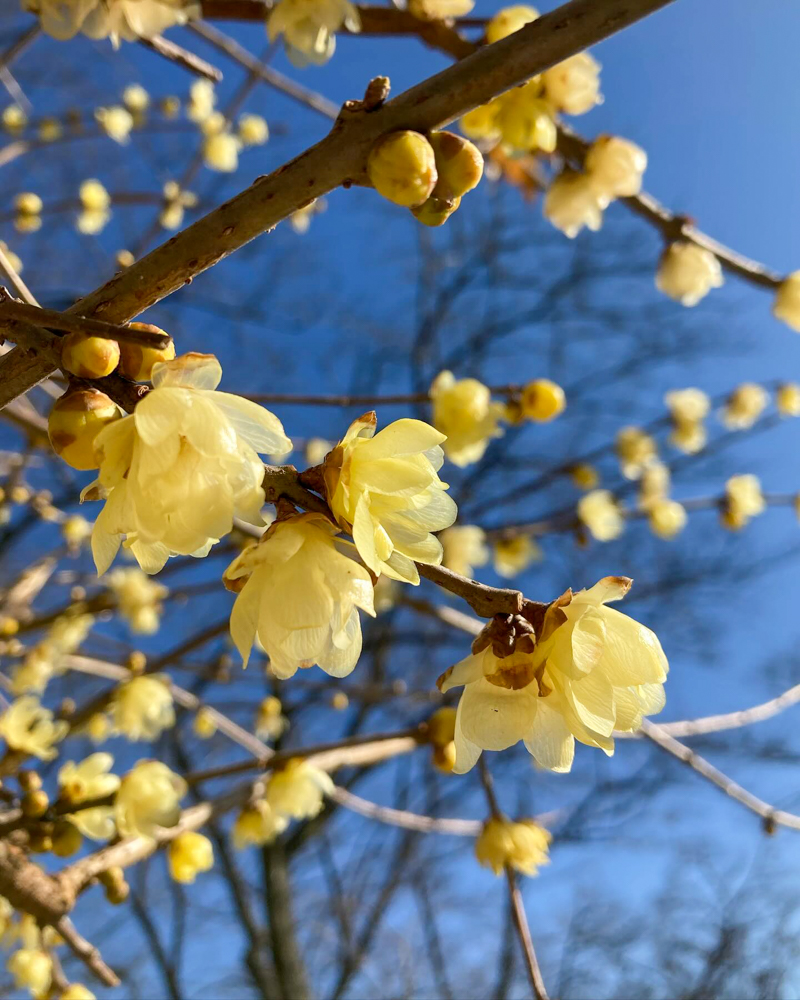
[(441, 732), (427, 175)]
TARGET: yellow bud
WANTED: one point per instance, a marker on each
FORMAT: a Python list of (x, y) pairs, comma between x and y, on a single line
[(77, 991), (508, 20), (340, 701), (442, 726), (34, 804), (117, 894), (136, 362), (50, 129), (67, 839), (28, 203), (584, 476), (204, 724), (124, 258), (136, 662), (543, 400), (40, 843), (89, 357), (402, 168), (9, 626), (444, 758), (459, 164), (481, 122), (29, 781), (435, 211), (74, 423), (188, 854), (111, 876), (513, 412), (170, 106), (787, 399)]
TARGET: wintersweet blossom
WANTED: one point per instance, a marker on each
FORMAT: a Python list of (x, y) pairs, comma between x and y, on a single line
[(29, 728), (464, 548), (521, 844), (571, 204), (385, 489), (138, 598), (91, 779), (688, 272), (666, 517), (635, 449), (464, 412), (142, 707), (14, 119), (525, 120), (253, 130), (46, 658), (270, 722), (77, 991), (114, 19), (300, 595), (438, 10), (688, 408), (32, 969), (309, 28), (654, 484), (787, 399), (512, 556), (786, 306), (95, 202), (743, 500), (116, 122), (188, 854), (258, 824), (148, 798), (744, 406), (590, 671), (600, 513), (573, 85), (298, 789), (615, 167), (176, 471), (508, 20)]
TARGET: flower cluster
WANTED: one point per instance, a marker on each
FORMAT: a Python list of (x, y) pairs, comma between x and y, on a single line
[(295, 790), (114, 19), (309, 27)]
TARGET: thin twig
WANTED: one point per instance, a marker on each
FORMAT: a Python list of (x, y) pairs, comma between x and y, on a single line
[(86, 952), (147, 335), (182, 57), (524, 933)]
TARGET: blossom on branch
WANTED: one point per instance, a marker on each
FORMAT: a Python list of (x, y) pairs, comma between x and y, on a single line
[(142, 707), (309, 28), (86, 781), (29, 728), (688, 272), (464, 412), (521, 844), (298, 789), (176, 471), (464, 547), (188, 854), (148, 798), (114, 19)]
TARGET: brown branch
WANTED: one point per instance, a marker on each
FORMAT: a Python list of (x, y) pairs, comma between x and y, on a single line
[(339, 159), (86, 952), (182, 57), (18, 46), (524, 933), (10, 311)]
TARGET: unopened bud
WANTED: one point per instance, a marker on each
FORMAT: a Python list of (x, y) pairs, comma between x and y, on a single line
[(136, 362), (543, 400), (136, 662), (74, 423), (89, 357), (29, 781), (67, 839), (435, 211), (459, 164), (442, 726), (444, 758), (34, 804), (402, 168)]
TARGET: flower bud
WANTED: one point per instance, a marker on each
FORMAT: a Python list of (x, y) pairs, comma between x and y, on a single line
[(508, 20), (615, 167), (667, 518), (787, 399), (459, 164), (442, 726), (481, 122), (584, 476), (571, 203), (543, 400), (687, 273), (74, 423), (402, 168), (67, 839), (29, 781), (89, 357), (34, 804), (444, 758), (136, 362), (435, 211), (786, 306), (525, 120)]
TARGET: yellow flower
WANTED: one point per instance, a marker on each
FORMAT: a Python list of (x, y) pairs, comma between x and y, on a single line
[(301, 596), (520, 844), (654, 484), (636, 450), (402, 168), (744, 406), (298, 789), (601, 514), (508, 20), (270, 722), (687, 273), (481, 123), (177, 470), (688, 408), (142, 707), (743, 500), (442, 726), (525, 120), (584, 476), (573, 85), (114, 19), (28, 727), (221, 152), (86, 781), (464, 548), (667, 517), (32, 969), (385, 489), (511, 556), (571, 204), (439, 10), (309, 28), (148, 798), (116, 122), (188, 854), (316, 449), (93, 196), (615, 168), (135, 98), (464, 412), (45, 659), (76, 530), (202, 99), (592, 671), (50, 129), (253, 130), (205, 724), (689, 438), (787, 399), (258, 825), (138, 599), (14, 119), (543, 400), (786, 306)]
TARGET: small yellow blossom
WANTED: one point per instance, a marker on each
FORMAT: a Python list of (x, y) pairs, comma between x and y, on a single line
[(385, 489), (520, 844), (14, 119), (635, 450), (29, 728), (508, 20), (177, 470), (50, 129), (787, 399), (32, 969), (253, 130), (124, 258), (481, 123), (615, 168), (99, 728), (148, 798), (667, 517), (142, 707), (189, 854), (258, 825), (91, 779), (114, 19), (573, 85), (743, 500), (525, 119), (439, 10), (744, 406), (543, 400), (76, 530), (116, 122), (464, 548), (442, 726), (301, 596), (786, 306), (687, 273), (339, 701), (175, 201), (689, 438), (309, 28), (202, 99), (571, 204), (205, 724), (512, 556), (402, 167), (464, 412), (270, 723), (138, 599), (221, 152), (298, 789), (592, 671), (599, 511), (688, 408), (316, 449), (654, 484), (135, 98), (95, 201), (45, 659), (584, 476), (28, 207)]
